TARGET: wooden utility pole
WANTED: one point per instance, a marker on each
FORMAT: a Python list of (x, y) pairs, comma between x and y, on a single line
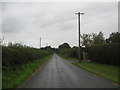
[(40, 42), (79, 33)]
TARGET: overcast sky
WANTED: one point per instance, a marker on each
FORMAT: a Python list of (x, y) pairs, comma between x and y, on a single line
[(56, 22)]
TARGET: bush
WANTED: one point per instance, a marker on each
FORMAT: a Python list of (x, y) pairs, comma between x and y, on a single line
[(105, 53)]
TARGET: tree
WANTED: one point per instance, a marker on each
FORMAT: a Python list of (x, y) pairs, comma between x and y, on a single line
[(114, 37), (98, 39), (64, 46), (92, 39), (1, 40), (86, 40), (64, 49)]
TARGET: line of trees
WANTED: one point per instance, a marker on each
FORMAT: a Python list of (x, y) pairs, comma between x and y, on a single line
[(96, 39), (98, 48)]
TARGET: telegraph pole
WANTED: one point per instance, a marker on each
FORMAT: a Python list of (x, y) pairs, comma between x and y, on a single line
[(40, 42), (79, 13)]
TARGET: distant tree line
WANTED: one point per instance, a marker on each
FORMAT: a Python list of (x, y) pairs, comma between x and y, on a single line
[(66, 50), (98, 48)]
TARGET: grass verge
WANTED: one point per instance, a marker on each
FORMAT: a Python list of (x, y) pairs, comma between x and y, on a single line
[(13, 79), (107, 71), (68, 58)]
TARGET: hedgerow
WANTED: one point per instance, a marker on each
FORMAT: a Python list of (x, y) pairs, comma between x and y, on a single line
[(17, 54), (105, 53)]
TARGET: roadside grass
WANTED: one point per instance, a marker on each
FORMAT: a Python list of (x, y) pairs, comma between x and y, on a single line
[(13, 79), (68, 58), (107, 71)]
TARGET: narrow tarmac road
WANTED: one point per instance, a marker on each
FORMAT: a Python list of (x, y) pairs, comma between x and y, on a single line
[(59, 73)]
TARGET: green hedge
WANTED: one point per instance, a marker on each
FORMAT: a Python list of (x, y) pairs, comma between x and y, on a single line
[(105, 53), (12, 56)]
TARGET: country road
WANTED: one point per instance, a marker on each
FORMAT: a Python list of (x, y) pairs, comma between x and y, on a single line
[(59, 73)]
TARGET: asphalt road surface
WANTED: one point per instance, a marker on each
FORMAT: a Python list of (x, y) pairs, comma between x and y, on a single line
[(59, 73)]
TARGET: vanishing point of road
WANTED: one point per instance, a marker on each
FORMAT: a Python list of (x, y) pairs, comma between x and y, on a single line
[(59, 73)]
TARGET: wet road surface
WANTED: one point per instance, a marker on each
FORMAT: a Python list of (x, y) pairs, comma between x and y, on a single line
[(59, 73)]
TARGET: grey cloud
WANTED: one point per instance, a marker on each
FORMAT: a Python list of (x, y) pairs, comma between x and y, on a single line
[(93, 10), (67, 26), (0, 19), (52, 21), (11, 25), (59, 18)]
